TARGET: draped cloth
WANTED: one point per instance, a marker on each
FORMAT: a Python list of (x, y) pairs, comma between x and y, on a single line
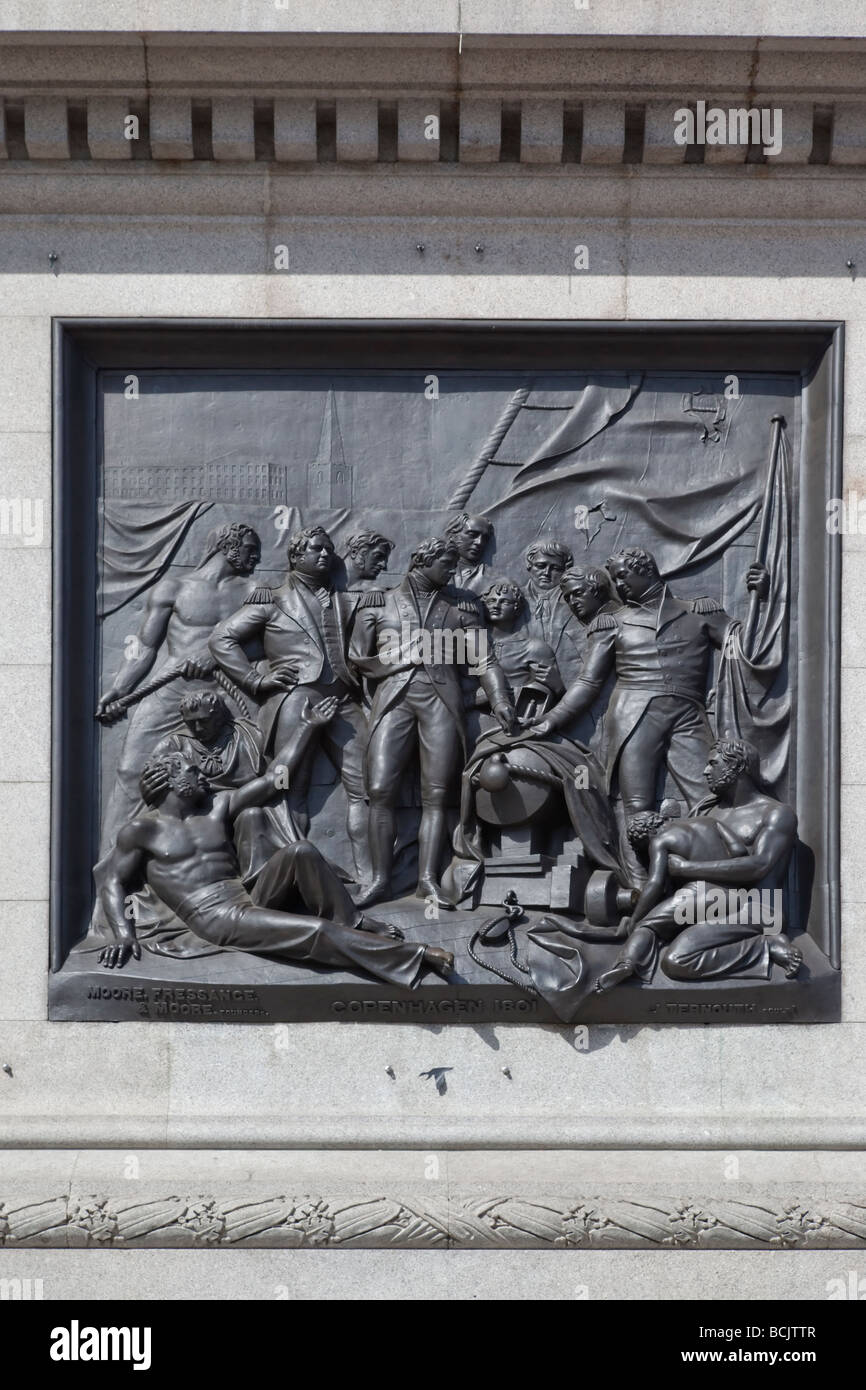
[(749, 702), (556, 966), (585, 799), (138, 542), (629, 443), (597, 406)]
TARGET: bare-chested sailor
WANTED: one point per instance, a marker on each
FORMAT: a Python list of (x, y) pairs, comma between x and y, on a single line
[(182, 611), (298, 910), (743, 841)]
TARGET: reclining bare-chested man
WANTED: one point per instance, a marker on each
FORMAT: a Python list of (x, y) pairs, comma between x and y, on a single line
[(298, 910), (742, 842)]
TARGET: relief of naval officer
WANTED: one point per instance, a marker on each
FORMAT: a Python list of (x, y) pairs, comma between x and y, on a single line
[(659, 647), (304, 628), (401, 647)]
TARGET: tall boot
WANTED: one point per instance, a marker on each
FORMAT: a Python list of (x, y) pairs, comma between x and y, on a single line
[(431, 839), (356, 826), (381, 838)]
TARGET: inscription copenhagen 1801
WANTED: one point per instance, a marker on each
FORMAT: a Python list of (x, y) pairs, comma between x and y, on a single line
[(481, 711)]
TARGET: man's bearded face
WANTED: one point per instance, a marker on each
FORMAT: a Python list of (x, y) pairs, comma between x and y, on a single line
[(719, 773), (244, 556), (190, 785)]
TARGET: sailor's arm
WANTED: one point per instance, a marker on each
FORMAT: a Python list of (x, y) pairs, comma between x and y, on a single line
[(143, 648), (492, 680), (125, 872), (654, 888), (481, 660), (774, 840)]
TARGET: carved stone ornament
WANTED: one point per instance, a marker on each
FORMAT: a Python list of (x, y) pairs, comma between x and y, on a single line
[(643, 1221), (508, 701)]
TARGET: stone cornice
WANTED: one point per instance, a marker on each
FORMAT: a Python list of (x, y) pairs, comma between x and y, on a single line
[(536, 132), (329, 65), (417, 100)]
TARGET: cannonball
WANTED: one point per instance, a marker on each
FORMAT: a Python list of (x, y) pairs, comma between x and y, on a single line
[(494, 775)]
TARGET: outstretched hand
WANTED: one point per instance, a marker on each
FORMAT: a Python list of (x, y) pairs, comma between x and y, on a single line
[(321, 713)]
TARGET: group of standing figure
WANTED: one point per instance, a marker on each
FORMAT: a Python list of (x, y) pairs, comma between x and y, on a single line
[(210, 806)]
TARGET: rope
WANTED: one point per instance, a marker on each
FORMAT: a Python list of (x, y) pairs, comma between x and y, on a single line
[(462, 494), (503, 974), (511, 914), (549, 779)]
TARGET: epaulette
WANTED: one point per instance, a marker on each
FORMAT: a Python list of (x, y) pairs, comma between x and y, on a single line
[(602, 622), (705, 605), (370, 598), (262, 595), (469, 605)]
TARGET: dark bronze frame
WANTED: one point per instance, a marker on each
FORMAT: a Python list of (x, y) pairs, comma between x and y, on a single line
[(84, 347)]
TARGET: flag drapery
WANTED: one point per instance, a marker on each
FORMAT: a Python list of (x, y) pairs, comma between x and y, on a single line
[(748, 702), (139, 540)]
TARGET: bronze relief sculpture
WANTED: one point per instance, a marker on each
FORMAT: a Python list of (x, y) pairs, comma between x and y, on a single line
[(403, 759)]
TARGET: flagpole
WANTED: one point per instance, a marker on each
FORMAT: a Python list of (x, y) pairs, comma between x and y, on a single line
[(778, 423)]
